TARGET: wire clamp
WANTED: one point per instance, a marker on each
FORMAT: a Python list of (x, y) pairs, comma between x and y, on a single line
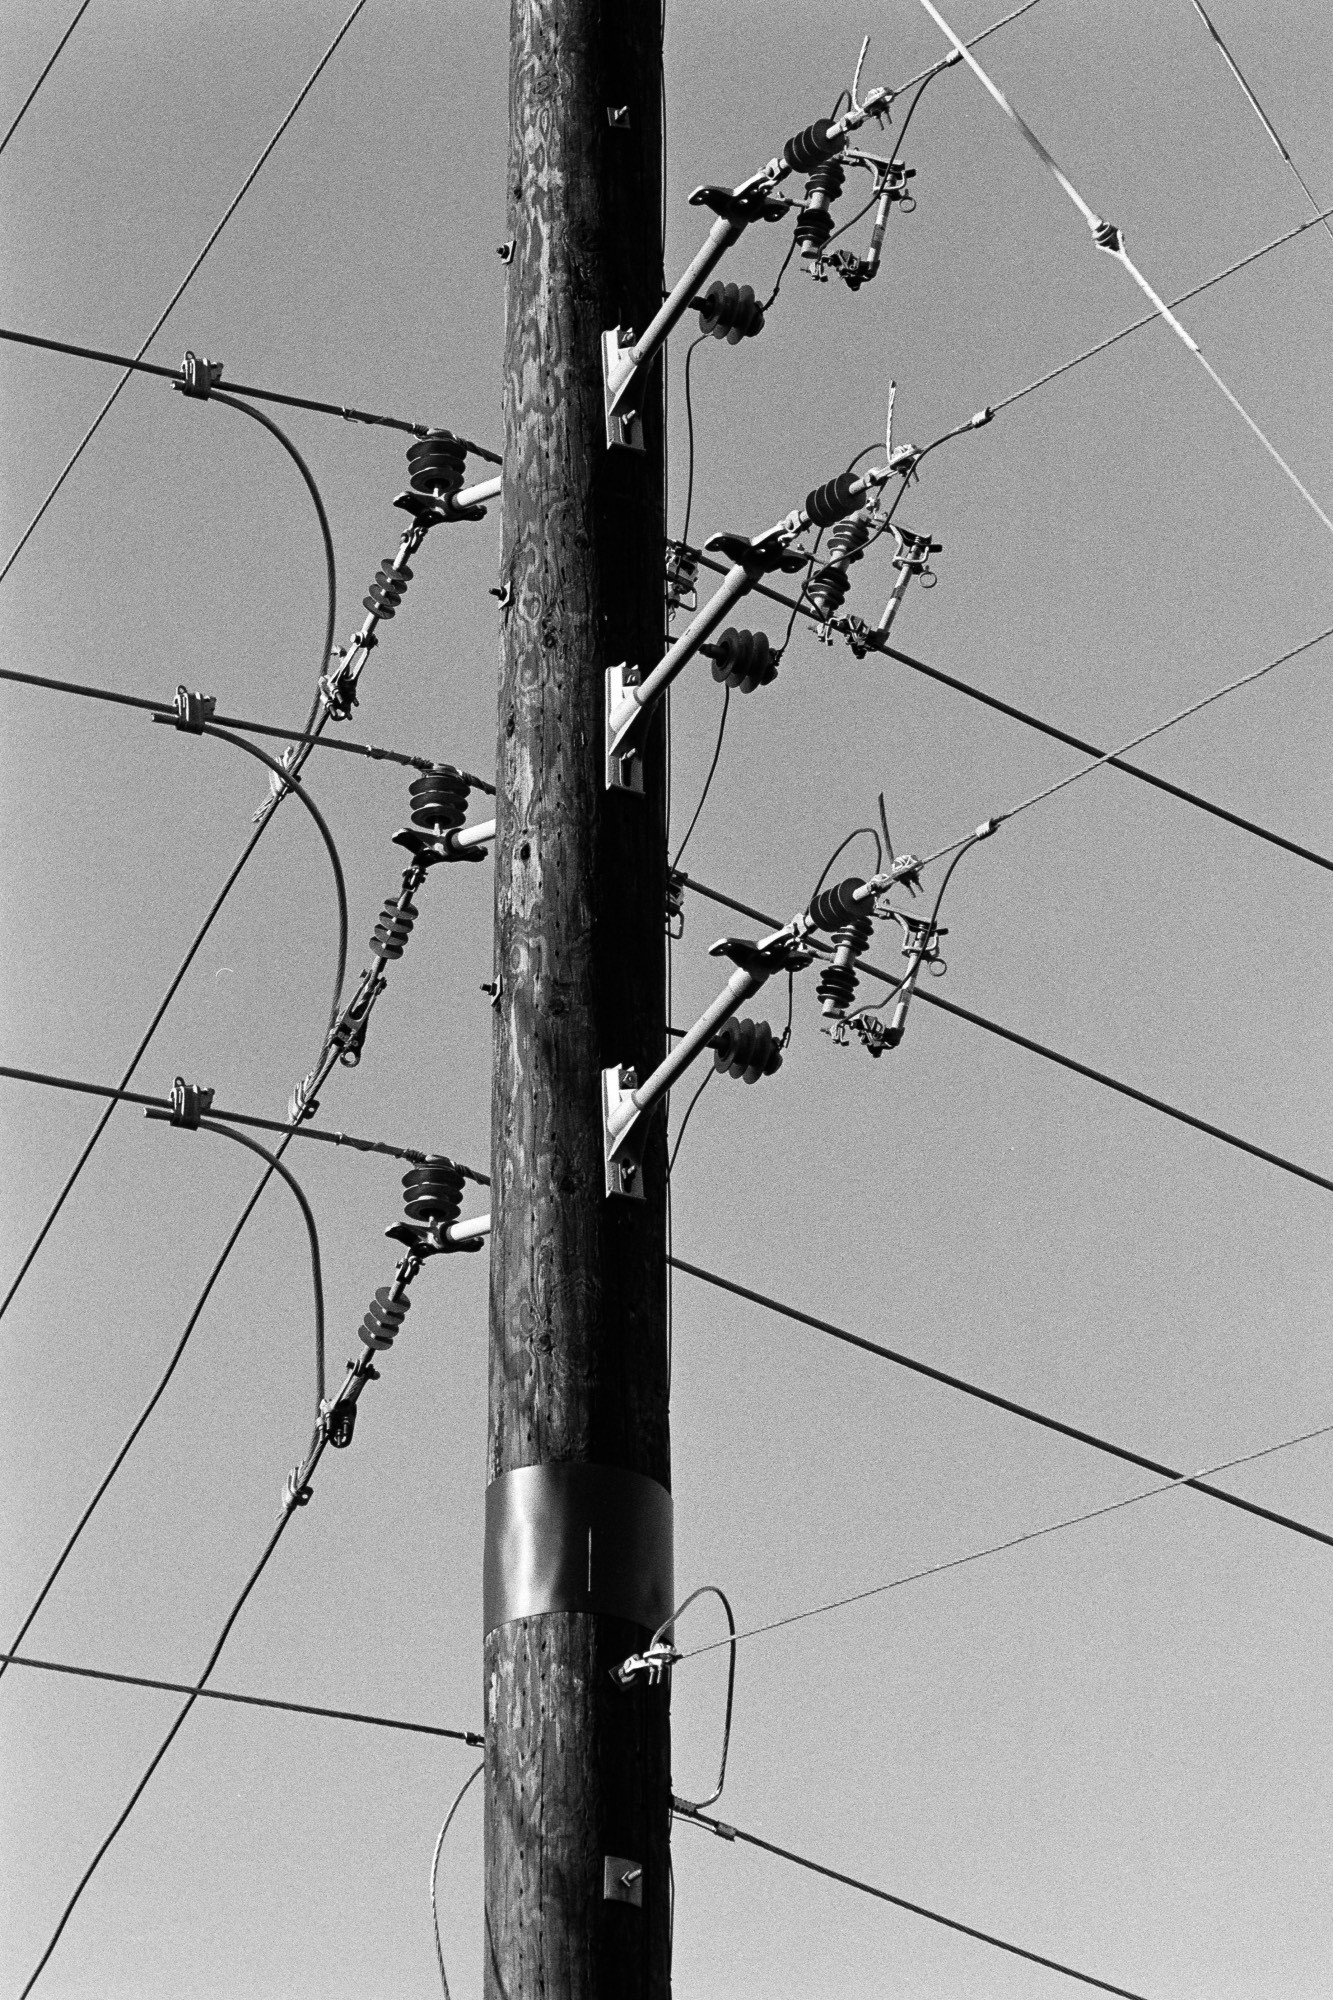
[(189, 1103), (622, 1880), (675, 904), (199, 376), (682, 577), (655, 1662), (194, 710)]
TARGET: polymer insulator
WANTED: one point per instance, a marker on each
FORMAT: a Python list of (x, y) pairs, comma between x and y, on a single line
[(838, 980), (834, 500), (831, 908), (828, 587), (386, 593), (744, 660), (439, 798), (393, 930), (747, 1049), (437, 463), (814, 224), (384, 1316), (818, 142), (731, 313), (433, 1191)]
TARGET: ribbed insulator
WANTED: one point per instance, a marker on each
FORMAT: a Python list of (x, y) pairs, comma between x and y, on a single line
[(808, 149), (433, 1192), (393, 930), (831, 908), (848, 538), (837, 983), (834, 500), (814, 224), (731, 313), (828, 587), (746, 1049), (437, 463), (386, 593), (744, 660), (439, 798), (827, 590), (384, 1317)]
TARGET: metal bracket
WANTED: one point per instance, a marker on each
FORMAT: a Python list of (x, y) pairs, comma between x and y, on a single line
[(199, 375), (194, 710), (624, 423), (622, 1880), (189, 1103), (624, 756), (622, 1151)]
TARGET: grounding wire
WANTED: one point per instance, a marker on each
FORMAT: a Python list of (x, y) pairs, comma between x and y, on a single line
[(1258, 110), (176, 375), (50, 65), (1049, 1054), (161, 320), (316, 1270), (876, 644), (717, 752), (1005, 1403), (435, 1870), (689, 432), (169, 710), (171, 1734), (1108, 238), (669, 1625), (469, 1736), (724, 1831), (1001, 1548), (671, 1163)]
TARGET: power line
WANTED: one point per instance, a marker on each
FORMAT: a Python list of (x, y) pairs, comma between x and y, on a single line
[(725, 1831), (170, 711), (976, 40), (1049, 1054), (468, 1736), (50, 65), (161, 320), (1258, 110), (1002, 1548), (177, 375), (1006, 1403)]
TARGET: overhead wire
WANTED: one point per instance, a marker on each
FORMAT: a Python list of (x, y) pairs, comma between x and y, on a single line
[(703, 796), (671, 1163), (163, 316), (50, 65), (435, 1871), (468, 1736), (725, 1831), (1008, 1404), (975, 42), (1259, 111)]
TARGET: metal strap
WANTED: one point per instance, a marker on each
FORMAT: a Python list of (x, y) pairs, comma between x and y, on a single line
[(577, 1538)]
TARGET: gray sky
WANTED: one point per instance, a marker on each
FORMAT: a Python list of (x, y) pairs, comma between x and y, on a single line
[(1112, 1746)]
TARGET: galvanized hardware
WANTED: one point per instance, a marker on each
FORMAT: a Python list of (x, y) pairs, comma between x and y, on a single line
[(577, 1537), (890, 178), (624, 759), (682, 576), (505, 251), (199, 376), (675, 904), (617, 116), (189, 1103), (654, 1663), (194, 710), (622, 1880), (624, 1161)]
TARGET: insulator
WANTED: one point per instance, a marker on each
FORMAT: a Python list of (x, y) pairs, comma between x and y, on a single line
[(433, 1192), (439, 798), (747, 1049), (828, 587), (812, 147), (834, 500), (393, 930), (814, 224), (386, 593), (731, 313), (838, 980), (437, 463), (384, 1316), (744, 660), (831, 908)]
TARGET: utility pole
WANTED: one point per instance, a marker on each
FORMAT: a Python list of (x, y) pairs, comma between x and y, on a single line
[(578, 1512)]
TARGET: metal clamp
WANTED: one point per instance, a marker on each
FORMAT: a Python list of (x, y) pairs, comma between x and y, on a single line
[(194, 710), (622, 1880), (624, 1148), (199, 376), (189, 1103)]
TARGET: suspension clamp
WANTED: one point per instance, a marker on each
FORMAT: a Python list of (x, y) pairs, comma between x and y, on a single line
[(431, 510), (189, 1103), (655, 1662), (422, 1241), (194, 710), (429, 848), (199, 376)]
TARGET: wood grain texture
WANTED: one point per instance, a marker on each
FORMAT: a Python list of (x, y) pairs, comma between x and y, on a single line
[(576, 1768)]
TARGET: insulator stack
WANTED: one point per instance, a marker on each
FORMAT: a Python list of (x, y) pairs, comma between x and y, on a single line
[(831, 908), (384, 1316), (386, 593), (439, 799), (814, 224), (433, 1192), (744, 660), (809, 149), (747, 1049), (437, 464), (731, 313), (393, 930), (828, 587), (834, 500), (838, 981)]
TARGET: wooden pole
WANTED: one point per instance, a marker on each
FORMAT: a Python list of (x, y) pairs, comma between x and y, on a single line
[(577, 1768)]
